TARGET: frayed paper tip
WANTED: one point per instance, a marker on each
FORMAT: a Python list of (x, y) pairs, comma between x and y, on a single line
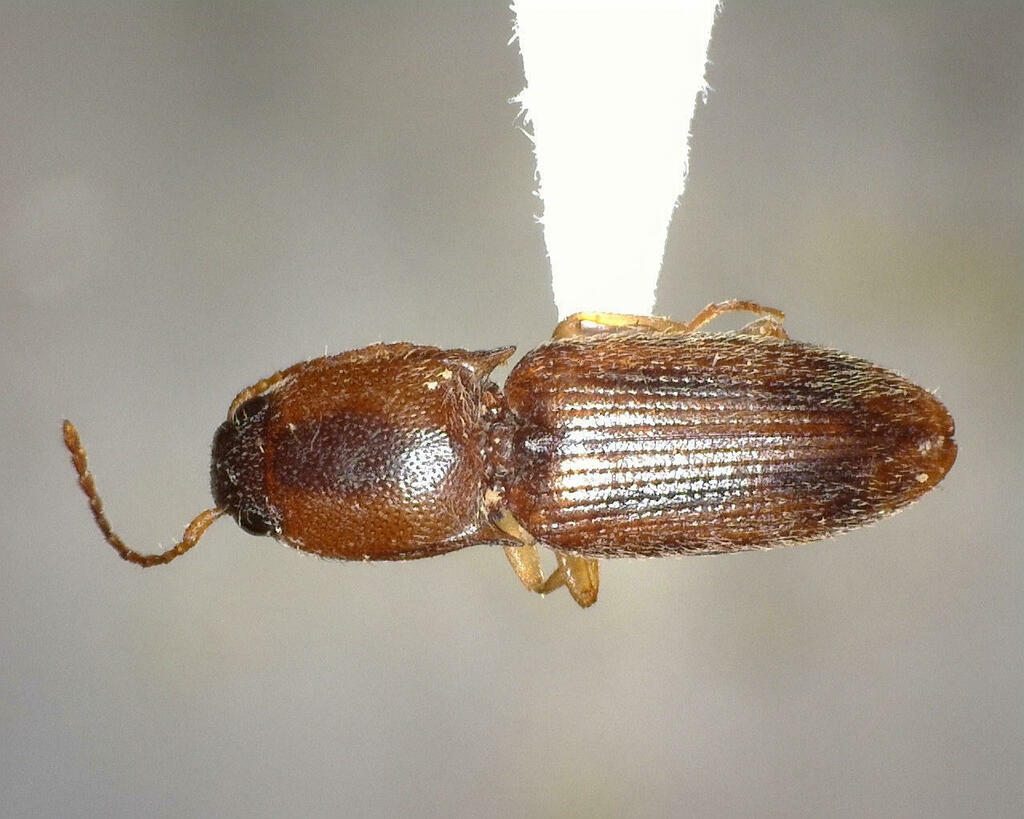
[(611, 89)]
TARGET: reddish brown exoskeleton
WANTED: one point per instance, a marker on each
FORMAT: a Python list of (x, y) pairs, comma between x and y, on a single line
[(623, 436)]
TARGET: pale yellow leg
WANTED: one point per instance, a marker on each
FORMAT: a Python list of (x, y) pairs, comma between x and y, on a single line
[(583, 324), (525, 562), (765, 326), (525, 559), (586, 324), (768, 315), (555, 580), (579, 574)]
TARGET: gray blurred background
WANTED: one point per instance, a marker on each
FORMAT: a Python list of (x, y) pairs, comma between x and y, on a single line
[(195, 194)]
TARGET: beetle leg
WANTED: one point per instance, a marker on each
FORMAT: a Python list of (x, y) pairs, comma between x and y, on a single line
[(588, 324), (524, 559), (580, 575), (554, 581), (769, 322), (525, 562), (720, 308), (765, 326)]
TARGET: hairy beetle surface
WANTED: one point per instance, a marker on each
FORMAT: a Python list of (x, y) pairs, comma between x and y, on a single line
[(624, 436)]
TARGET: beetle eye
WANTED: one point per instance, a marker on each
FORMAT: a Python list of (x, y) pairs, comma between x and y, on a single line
[(255, 523), (250, 409)]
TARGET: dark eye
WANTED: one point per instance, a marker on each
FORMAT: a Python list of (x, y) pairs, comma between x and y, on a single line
[(250, 409), (254, 522)]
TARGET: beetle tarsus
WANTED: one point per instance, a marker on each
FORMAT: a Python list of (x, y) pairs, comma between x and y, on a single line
[(721, 308)]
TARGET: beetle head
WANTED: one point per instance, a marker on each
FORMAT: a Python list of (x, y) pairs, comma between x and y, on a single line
[(237, 473)]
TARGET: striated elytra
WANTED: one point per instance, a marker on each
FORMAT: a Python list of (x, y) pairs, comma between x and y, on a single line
[(624, 436)]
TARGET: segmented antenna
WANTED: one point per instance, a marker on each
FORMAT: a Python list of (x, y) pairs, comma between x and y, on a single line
[(193, 532)]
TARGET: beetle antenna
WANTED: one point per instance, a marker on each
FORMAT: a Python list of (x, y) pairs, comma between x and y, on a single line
[(193, 532)]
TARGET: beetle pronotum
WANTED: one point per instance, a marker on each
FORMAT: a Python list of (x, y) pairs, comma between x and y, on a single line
[(623, 436)]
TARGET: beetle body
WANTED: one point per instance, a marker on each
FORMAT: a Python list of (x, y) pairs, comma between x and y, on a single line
[(648, 439)]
